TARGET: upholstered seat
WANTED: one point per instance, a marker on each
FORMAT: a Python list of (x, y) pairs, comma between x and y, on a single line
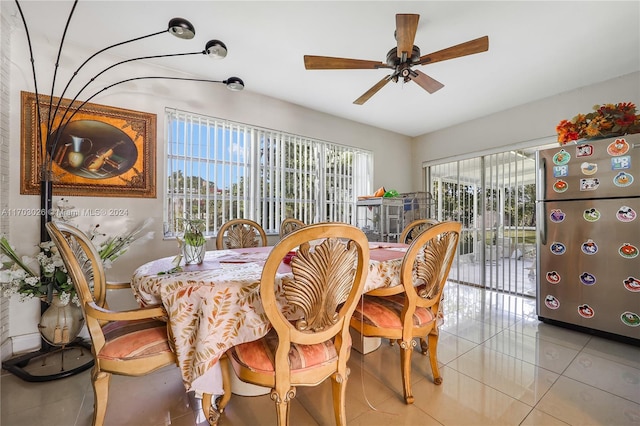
[(386, 311), (258, 356), (129, 340), (412, 310)]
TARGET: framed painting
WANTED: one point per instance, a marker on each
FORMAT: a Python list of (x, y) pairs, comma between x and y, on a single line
[(102, 151)]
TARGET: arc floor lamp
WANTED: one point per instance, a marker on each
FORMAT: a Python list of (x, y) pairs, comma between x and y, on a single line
[(50, 137)]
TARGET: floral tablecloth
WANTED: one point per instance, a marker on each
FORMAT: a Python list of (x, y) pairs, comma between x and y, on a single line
[(216, 305)]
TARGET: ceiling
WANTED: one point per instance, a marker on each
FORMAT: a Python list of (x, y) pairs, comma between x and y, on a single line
[(536, 49)]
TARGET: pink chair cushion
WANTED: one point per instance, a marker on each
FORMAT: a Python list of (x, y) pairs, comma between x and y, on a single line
[(385, 311), (259, 355), (134, 339)]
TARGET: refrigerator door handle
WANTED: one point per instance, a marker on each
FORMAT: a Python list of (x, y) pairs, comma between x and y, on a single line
[(541, 187), (541, 196), (542, 217)]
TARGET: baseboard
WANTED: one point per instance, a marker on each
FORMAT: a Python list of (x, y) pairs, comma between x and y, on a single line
[(21, 344), (6, 350)]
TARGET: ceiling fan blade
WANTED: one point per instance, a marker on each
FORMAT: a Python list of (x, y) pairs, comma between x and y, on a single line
[(406, 27), (330, 63), (429, 84), (369, 93), (463, 49)]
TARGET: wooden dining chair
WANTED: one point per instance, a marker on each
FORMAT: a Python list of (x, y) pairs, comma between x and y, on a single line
[(289, 225), (129, 343), (411, 310), (310, 342), (415, 228), (240, 233)]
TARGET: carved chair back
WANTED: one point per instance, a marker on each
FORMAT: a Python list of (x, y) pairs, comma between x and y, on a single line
[(240, 233)]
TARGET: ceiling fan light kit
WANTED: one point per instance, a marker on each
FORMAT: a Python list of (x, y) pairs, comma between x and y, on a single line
[(401, 58)]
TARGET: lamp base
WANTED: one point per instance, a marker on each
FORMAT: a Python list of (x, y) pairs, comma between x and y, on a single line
[(16, 365)]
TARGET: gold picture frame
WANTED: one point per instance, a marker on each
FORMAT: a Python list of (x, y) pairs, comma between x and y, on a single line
[(102, 152)]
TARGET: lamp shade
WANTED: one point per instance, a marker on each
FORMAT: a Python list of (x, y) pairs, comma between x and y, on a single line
[(216, 49), (181, 28), (234, 84)]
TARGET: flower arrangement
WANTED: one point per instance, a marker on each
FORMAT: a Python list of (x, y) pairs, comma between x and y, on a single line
[(606, 120), (19, 275), (50, 278)]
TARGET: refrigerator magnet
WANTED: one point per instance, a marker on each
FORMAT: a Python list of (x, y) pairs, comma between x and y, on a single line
[(558, 248), (623, 179), (553, 277), (551, 302), (585, 150), (557, 216), (589, 184), (586, 311), (626, 214), (588, 168), (630, 318), (587, 278), (628, 251), (560, 171), (632, 284), (561, 158), (589, 247), (621, 163), (618, 147), (591, 215), (560, 186)]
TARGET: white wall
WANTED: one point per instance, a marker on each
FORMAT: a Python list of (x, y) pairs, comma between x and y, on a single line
[(530, 122), (152, 96)]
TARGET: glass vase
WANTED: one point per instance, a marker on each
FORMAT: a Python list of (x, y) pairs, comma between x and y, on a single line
[(193, 255)]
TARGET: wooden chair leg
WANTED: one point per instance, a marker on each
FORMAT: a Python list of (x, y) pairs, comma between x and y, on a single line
[(222, 401), (406, 348), (283, 401), (424, 346), (339, 388), (100, 395), (433, 358)]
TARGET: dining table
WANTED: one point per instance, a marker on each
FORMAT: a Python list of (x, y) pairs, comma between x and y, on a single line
[(216, 305)]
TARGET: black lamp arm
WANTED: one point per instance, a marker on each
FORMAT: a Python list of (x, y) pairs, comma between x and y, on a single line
[(38, 129), (52, 147), (62, 120), (57, 64), (50, 124)]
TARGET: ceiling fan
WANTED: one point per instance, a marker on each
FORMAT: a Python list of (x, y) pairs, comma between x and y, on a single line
[(400, 59)]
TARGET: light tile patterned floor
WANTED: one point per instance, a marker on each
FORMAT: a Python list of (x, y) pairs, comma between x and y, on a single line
[(500, 367)]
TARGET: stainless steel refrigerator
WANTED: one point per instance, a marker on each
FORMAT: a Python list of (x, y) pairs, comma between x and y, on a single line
[(588, 263)]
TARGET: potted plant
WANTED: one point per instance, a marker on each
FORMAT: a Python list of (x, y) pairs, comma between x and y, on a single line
[(193, 242)]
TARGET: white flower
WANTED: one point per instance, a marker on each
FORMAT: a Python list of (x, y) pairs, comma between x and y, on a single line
[(64, 297), (32, 281), (6, 276)]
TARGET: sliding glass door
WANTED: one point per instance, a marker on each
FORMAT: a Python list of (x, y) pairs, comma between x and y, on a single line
[(494, 198)]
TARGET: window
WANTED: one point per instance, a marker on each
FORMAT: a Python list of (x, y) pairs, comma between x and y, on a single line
[(218, 170)]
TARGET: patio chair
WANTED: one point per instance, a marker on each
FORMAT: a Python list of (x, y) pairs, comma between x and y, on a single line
[(411, 310)]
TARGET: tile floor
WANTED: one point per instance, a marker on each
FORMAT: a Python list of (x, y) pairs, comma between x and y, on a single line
[(500, 367)]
